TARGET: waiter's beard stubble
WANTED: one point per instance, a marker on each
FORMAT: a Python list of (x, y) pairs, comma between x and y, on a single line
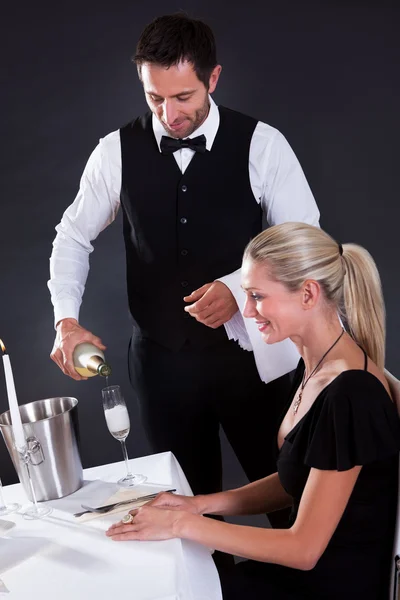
[(195, 120)]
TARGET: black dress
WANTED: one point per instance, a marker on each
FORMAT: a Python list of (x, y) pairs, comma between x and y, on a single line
[(351, 422)]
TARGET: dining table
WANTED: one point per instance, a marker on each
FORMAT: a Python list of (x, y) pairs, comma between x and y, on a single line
[(64, 557)]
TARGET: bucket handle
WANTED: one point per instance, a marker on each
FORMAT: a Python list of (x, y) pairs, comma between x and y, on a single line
[(33, 453)]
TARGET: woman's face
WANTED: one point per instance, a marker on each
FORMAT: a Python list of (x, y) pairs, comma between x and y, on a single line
[(278, 312)]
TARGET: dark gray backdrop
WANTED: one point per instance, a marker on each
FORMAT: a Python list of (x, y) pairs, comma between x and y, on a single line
[(325, 74)]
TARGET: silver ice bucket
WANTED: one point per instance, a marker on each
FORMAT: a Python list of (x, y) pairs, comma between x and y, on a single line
[(51, 430)]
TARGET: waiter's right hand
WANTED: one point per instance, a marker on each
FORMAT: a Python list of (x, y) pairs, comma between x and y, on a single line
[(69, 335)]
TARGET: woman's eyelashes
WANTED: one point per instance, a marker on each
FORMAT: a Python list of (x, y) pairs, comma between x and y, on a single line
[(256, 297)]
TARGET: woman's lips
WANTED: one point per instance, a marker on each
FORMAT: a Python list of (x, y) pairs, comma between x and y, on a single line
[(262, 325)]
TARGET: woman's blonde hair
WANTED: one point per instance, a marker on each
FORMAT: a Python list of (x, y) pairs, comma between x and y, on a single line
[(348, 276)]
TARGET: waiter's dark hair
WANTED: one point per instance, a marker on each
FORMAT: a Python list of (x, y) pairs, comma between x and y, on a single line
[(170, 39)]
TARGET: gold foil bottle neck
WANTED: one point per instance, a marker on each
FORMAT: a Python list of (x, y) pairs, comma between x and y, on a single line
[(96, 364)]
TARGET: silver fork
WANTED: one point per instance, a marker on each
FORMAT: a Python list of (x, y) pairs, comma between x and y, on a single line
[(108, 507)]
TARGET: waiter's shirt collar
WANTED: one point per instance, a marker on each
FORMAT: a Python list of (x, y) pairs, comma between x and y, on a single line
[(208, 128)]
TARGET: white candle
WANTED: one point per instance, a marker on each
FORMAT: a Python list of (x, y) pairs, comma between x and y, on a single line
[(19, 436)]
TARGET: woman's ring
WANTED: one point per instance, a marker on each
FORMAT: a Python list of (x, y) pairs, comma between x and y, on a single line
[(127, 519)]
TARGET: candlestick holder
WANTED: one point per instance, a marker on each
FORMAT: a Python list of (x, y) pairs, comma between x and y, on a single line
[(31, 455)]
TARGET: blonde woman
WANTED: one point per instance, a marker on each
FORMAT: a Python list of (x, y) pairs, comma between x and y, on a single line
[(338, 442)]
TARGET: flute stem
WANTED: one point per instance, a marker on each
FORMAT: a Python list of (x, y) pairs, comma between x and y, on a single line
[(2, 503), (31, 487), (128, 473)]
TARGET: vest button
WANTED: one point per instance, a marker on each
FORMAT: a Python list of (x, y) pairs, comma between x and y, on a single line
[(184, 188), (183, 220), (184, 283), (184, 252)]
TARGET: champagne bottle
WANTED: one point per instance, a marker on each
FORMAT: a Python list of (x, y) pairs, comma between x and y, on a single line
[(89, 361)]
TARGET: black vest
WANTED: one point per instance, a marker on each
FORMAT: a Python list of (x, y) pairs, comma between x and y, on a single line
[(184, 230)]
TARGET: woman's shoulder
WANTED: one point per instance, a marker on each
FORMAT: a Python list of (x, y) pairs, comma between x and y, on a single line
[(359, 384), (354, 422), (356, 401)]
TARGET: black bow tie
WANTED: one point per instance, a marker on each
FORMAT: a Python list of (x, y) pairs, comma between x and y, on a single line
[(169, 145)]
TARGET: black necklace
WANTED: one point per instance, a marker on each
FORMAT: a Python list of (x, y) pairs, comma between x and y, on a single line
[(304, 382)]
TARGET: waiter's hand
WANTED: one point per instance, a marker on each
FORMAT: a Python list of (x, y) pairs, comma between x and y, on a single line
[(213, 304), (69, 335)]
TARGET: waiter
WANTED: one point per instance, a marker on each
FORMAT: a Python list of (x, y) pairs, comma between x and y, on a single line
[(195, 183)]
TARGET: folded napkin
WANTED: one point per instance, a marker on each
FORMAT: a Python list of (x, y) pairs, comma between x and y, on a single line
[(93, 493), (100, 493), (120, 496)]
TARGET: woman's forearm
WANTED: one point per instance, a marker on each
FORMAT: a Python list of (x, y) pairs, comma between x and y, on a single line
[(279, 546), (262, 496)]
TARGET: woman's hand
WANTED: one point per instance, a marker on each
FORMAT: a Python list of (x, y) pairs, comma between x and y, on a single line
[(149, 523), (176, 502)]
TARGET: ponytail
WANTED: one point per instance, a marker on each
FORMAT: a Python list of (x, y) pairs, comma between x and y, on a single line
[(363, 304)]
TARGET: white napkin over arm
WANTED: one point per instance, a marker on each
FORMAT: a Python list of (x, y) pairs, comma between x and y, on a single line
[(272, 360)]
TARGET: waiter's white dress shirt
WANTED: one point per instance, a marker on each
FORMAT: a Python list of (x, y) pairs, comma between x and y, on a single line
[(277, 182)]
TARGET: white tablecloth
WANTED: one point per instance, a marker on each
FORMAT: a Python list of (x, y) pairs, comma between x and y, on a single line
[(56, 558)]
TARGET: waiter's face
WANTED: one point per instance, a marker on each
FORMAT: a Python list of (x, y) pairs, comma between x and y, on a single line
[(177, 97), (278, 312)]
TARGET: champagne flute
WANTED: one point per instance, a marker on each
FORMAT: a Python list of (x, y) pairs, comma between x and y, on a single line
[(118, 423), (6, 509), (34, 511)]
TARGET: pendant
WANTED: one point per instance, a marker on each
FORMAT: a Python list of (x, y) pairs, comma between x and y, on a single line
[(297, 402)]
